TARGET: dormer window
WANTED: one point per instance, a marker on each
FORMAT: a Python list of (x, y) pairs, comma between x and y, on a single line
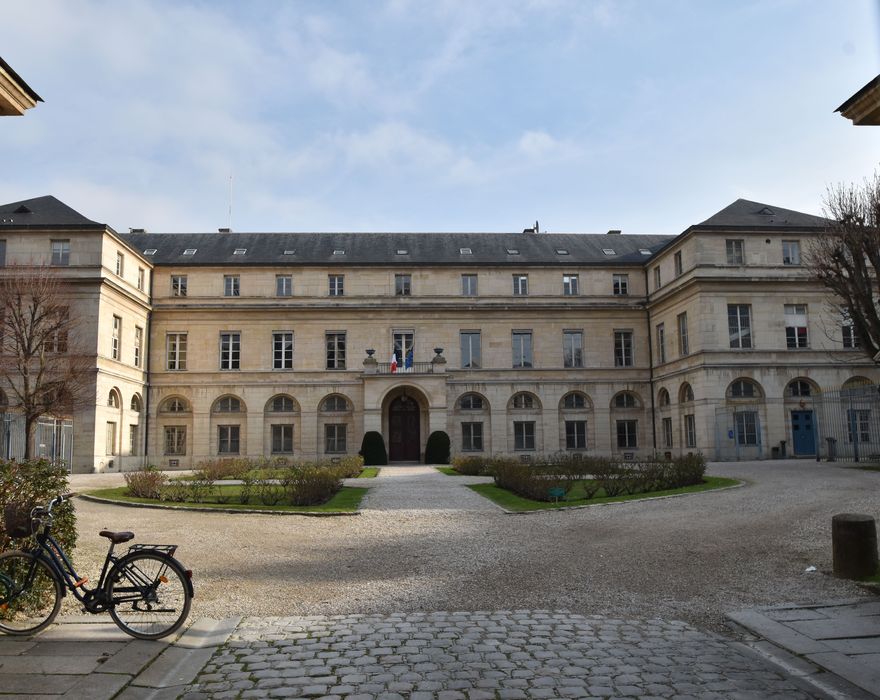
[(290, 251), (608, 251), (644, 251), (561, 251), (239, 251), (190, 251), (150, 251), (339, 251), (465, 251), (513, 251), (402, 251)]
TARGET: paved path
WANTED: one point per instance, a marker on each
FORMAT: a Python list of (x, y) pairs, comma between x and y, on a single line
[(425, 490)]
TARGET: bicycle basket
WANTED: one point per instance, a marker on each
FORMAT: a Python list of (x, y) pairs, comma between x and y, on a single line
[(17, 520)]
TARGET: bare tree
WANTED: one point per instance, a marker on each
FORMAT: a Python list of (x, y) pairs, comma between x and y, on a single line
[(846, 258), (42, 368)]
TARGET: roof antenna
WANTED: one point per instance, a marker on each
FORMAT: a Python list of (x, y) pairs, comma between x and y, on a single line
[(537, 230)]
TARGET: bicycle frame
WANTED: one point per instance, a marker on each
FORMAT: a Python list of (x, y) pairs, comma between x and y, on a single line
[(48, 549)]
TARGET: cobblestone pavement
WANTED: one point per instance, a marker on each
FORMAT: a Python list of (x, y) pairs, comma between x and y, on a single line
[(501, 655)]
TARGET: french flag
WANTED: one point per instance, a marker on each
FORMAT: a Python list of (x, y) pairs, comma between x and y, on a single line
[(393, 362)]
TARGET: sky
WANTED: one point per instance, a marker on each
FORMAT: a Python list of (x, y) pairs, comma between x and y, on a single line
[(435, 115)]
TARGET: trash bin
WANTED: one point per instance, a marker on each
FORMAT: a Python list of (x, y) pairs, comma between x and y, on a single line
[(832, 448), (774, 453)]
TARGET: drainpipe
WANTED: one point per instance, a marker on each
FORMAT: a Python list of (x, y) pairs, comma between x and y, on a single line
[(651, 363), (148, 337)]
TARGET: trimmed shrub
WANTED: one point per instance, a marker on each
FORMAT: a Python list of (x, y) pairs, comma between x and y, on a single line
[(176, 491), (310, 484), (437, 448), (373, 449), (145, 483), (217, 469), (33, 483), (347, 467), (471, 466)]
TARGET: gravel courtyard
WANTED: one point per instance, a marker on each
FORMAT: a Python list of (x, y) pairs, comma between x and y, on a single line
[(424, 542)]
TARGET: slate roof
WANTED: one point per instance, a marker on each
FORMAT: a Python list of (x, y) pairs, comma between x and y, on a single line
[(744, 213), (382, 248), (42, 212)]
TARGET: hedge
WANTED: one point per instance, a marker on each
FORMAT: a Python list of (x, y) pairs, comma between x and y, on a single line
[(35, 483)]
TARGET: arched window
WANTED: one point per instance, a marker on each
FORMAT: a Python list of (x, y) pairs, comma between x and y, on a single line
[(625, 399), (523, 401), (136, 403), (743, 389), (685, 393), (471, 402), (227, 404), (113, 399), (574, 401), (663, 398), (174, 405), (799, 388), (334, 404), (282, 404)]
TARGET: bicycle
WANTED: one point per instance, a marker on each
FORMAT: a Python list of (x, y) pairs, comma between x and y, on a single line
[(147, 591)]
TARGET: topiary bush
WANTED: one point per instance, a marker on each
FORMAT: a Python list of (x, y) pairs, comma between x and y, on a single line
[(373, 449), (437, 449)]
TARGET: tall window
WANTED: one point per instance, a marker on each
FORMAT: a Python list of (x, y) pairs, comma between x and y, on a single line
[(520, 285), (61, 252), (570, 285), (470, 350), (573, 348), (627, 433), (231, 285), (335, 437), (138, 345), (403, 285), (132, 439), (57, 341), (141, 278), (661, 342), (524, 435), (679, 268), (404, 348), (282, 350), (282, 439), (796, 326), (228, 439), (623, 349), (858, 425), (283, 285), (690, 430), (230, 351), (684, 347), (469, 285), (657, 282), (739, 325), (335, 344), (175, 440), (120, 264), (175, 350), (734, 251), (746, 424), (472, 437), (620, 285), (791, 252), (522, 349), (111, 438), (178, 285), (336, 285), (575, 435), (114, 340), (667, 432), (850, 338)]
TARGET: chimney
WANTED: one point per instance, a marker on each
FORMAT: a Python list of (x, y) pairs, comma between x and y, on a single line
[(614, 232), (224, 230), (137, 230), (537, 229)]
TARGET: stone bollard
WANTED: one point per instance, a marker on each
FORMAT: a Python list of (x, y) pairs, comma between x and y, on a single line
[(854, 545)]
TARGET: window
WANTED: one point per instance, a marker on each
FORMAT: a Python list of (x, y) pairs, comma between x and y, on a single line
[(334, 437), (520, 285), (573, 348), (282, 404), (799, 388), (743, 389), (334, 404), (282, 439), (667, 432), (227, 404), (620, 285), (136, 403), (150, 251), (524, 435), (661, 342), (141, 278), (608, 251), (791, 252), (56, 338), (337, 285), (679, 268), (282, 350), (113, 399), (61, 252), (746, 424), (465, 251), (403, 285), (138, 345), (625, 400), (690, 430), (472, 437), (522, 349), (471, 402), (739, 325), (663, 398), (734, 251), (686, 393), (850, 338), (402, 251), (230, 351), (570, 285), (339, 251), (335, 343), (513, 251), (290, 251), (228, 439), (175, 351), (190, 251), (114, 340), (2, 253), (574, 401), (469, 285), (575, 435), (684, 347), (796, 326), (111, 438), (470, 350), (858, 425), (175, 440), (627, 433), (623, 349), (231, 286), (174, 406), (132, 439), (657, 282), (403, 346), (239, 251), (178, 285), (120, 264), (283, 285), (523, 401)]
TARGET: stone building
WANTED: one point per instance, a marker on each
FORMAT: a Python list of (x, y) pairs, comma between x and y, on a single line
[(295, 344)]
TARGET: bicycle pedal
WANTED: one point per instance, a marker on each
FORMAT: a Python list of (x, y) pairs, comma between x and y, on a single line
[(81, 582)]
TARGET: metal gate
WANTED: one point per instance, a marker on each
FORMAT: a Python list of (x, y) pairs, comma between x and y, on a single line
[(53, 439), (849, 423), (738, 433)]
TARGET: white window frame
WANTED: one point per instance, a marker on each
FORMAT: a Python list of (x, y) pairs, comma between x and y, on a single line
[(282, 349), (175, 351)]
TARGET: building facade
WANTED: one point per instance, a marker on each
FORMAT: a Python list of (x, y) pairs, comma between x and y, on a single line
[(294, 344)]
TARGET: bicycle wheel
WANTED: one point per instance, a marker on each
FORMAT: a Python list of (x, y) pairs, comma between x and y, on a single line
[(150, 595), (30, 593)]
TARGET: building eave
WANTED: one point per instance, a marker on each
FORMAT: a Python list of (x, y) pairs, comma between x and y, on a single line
[(863, 108), (16, 96)]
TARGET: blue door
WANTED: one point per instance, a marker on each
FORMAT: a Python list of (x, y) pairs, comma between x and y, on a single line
[(803, 435)]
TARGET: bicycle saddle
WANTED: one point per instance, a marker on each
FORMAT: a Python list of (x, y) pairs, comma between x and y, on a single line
[(117, 537)]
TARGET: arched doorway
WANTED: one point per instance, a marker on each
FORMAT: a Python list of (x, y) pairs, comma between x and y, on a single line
[(404, 439)]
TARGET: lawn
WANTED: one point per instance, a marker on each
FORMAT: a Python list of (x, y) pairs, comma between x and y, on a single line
[(346, 500), (449, 471), (510, 501), (368, 473)]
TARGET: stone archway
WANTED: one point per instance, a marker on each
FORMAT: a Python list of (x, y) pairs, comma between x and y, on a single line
[(404, 429)]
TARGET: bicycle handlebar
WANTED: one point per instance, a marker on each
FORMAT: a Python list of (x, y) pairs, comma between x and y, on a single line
[(57, 501)]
